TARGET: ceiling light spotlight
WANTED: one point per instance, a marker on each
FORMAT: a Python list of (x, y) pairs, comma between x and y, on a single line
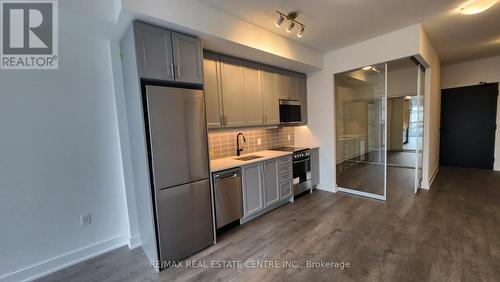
[(279, 21), (367, 68), (289, 28), (476, 6), (301, 32)]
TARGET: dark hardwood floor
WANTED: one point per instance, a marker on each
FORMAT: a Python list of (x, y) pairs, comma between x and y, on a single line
[(451, 233)]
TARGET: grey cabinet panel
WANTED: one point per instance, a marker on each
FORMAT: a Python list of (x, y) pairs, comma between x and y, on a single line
[(282, 83), (302, 97), (213, 97), (286, 190), (285, 172), (232, 92), (184, 215), (270, 99), (154, 52), (271, 183), (315, 166), (252, 95), (293, 86), (188, 57), (252, 189)]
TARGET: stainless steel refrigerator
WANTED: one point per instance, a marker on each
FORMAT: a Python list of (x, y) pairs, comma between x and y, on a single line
[(177, 140)]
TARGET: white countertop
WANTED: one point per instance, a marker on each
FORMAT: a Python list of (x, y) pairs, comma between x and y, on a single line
[(230, 162)]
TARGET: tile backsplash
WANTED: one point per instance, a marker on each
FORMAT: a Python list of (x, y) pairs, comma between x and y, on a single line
[(222, 143)]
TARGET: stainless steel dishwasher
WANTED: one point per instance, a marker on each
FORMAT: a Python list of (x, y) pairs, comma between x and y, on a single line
[(228, 196)]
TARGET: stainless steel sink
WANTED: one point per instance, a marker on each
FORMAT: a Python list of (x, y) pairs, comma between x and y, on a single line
[(248, 158)]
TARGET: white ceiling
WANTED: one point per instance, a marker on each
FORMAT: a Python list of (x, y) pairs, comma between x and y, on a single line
[(332, 24)]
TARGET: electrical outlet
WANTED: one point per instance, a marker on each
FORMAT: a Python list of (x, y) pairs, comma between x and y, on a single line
[(259, 141), (86, 219), (289, 137)]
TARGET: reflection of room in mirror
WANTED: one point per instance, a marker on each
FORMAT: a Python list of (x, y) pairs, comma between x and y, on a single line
[(370, 101)]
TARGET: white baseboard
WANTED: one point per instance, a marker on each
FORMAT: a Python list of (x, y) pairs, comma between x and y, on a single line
[(325, 188), (427, 186), (134, 241), (54, 264)]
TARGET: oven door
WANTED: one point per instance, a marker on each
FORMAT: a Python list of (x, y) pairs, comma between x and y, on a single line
[(290, 112), (301, 175)]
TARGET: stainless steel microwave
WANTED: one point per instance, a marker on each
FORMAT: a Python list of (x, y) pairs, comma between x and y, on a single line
[(290, 112)]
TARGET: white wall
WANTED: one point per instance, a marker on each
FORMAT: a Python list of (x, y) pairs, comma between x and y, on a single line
[(60, 158), (432, 110), (471, 73)]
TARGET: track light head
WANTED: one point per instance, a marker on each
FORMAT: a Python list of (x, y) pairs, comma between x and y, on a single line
[(290, 27), (279, 21), (301, 31)]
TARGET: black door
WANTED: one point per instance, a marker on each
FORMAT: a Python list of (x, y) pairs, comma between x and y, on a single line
[(468, 123)]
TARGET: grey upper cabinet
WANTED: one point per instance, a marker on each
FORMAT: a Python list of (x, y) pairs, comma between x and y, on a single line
[(154, 52), (252, 189), (295, 89), (167, 55), (315, 166), (188, 56), (213, 93), (270, 100), (271, 183), (302, 97), (242, 93), (282, 85), (233, 100), (252, 95)]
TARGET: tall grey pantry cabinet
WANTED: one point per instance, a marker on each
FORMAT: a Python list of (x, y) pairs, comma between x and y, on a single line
[(174, 213)]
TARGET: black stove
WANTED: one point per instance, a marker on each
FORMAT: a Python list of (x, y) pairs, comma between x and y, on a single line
[(301, 163)]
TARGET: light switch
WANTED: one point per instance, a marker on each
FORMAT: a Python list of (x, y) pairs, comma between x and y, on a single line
[(259, 141)]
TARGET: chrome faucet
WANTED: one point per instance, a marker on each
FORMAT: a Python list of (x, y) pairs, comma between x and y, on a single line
[(238, 150)]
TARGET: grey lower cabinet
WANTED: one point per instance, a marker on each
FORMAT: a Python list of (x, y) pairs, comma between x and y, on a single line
[(167, 55), (286, 176), (315, 166), (271, 182), (265, 184), (253, 200)]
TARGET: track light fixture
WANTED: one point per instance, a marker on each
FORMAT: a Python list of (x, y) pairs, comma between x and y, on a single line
[(292, 18)]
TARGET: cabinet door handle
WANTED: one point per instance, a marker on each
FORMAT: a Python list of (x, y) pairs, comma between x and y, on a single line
[(172, 74)]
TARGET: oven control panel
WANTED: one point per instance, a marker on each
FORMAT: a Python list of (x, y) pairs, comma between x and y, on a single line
[(304, 154)]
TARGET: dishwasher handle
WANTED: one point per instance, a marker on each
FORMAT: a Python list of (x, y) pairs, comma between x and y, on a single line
[(227, 174)]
